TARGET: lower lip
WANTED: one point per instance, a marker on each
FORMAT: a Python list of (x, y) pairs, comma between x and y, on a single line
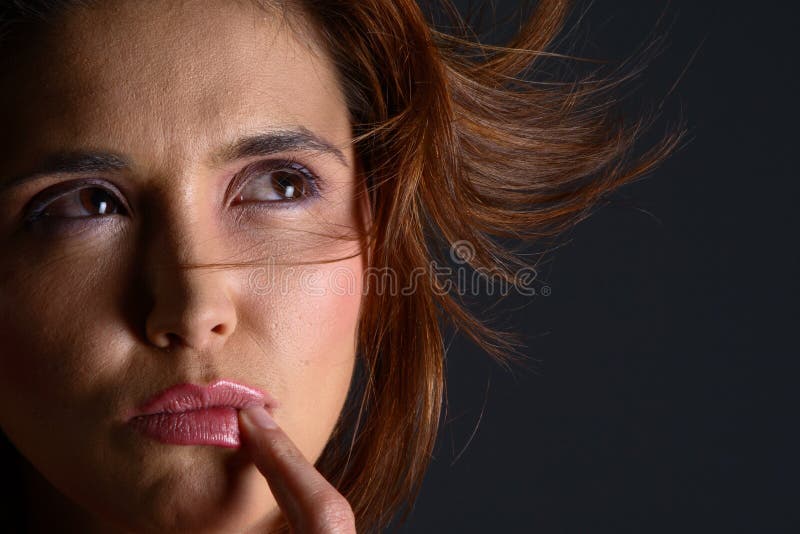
[(209, 426)]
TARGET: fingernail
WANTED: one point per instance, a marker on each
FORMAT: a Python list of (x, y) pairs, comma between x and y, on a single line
[(258, 416)]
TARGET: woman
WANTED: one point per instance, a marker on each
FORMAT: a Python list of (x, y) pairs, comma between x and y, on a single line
[(210, 210)]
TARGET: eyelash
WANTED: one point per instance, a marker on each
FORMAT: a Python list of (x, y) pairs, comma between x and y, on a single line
[(311, 184), (311, 189)]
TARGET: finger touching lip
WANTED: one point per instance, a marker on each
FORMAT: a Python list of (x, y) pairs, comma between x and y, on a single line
[(190, 414)]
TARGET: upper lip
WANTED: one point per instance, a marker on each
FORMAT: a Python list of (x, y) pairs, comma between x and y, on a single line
[(222, 393)]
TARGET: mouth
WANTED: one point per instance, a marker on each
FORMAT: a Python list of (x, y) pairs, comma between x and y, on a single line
[(188, 414)]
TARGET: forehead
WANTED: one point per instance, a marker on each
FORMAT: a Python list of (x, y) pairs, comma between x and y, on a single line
[(165, 78)]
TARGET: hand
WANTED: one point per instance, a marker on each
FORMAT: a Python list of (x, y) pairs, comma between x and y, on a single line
[(311, 504)]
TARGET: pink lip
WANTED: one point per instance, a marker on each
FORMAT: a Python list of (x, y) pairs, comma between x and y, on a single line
[(188, 414)]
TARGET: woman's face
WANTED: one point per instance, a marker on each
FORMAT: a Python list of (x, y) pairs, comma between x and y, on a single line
[(155, 135)]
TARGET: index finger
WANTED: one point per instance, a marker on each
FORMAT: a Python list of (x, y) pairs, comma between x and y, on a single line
[(311, 504)]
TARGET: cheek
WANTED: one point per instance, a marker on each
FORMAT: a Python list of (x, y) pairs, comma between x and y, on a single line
[(312, 325), (58, 339), (56, 354), (41, 329), (328, 303)]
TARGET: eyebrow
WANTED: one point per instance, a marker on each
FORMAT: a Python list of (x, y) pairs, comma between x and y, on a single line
[(263, 144), (259, 144)]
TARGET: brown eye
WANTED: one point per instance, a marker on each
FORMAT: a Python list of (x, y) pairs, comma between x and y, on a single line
[(290, 183), (81, 203)]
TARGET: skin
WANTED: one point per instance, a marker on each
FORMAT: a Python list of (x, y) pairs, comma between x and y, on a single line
[(101, 311)]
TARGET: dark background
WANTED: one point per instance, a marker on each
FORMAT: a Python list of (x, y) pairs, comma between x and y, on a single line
[(662, 399)]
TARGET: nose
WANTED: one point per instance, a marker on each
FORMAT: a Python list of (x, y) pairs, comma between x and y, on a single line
[(192, 312), (192, 306)]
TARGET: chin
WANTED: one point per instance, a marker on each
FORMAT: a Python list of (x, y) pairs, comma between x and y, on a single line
[(195, 489)]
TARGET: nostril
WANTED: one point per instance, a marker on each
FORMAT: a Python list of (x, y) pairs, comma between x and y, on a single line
[(174, 340), (219, 329)]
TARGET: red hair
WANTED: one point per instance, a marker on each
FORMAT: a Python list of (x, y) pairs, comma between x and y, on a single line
[(456, 147)]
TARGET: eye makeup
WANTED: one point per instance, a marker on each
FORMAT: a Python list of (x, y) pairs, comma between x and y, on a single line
[(286, 182)]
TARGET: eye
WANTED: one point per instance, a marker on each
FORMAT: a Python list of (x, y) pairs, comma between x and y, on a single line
[(78, 203), (273, 182)]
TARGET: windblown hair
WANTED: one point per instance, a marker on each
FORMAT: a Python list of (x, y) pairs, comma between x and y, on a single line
[(457, 142), (458, 147)]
